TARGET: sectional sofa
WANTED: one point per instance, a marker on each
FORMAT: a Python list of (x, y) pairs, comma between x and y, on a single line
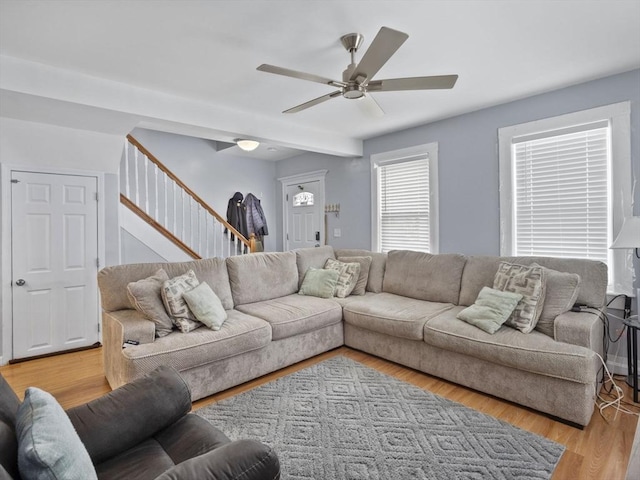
[(407, 314)]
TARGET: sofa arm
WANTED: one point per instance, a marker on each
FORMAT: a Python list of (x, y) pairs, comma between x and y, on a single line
[(132, 413), (129, 325), (239, 460), (585, 329)]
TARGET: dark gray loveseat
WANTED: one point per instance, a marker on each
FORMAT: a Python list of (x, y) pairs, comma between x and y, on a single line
[(143, 431)]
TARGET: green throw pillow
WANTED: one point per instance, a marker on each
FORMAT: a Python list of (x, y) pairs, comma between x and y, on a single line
[(48, 445), (206, 306), (491, 309), (319, 282)]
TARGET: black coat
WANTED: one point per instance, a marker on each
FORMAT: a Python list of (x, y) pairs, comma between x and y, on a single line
[(237, 214)]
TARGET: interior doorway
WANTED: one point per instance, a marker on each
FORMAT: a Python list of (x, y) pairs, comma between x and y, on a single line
[(303, 199)]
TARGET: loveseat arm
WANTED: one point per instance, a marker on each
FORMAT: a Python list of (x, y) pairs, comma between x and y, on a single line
[(585, 329), (132, 413), (239, 460)]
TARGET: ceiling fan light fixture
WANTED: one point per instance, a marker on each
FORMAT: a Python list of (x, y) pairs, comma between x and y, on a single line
[(247, 145)]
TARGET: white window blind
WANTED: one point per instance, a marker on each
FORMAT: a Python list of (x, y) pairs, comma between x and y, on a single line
[(404, 209), (561, 190)]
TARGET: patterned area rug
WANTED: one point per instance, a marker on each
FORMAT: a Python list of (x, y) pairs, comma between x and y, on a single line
[(341, 420)]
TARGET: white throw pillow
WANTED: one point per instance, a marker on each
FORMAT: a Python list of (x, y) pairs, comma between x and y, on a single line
[(206, 306)]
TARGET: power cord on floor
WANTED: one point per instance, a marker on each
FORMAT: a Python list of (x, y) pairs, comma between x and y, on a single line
[(617, 402)]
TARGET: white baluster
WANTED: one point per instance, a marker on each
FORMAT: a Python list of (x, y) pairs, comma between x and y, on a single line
[(136, 163), (146, 185), (182, 212), (155, 184), (175, 209), (127, 188), (166, 206)]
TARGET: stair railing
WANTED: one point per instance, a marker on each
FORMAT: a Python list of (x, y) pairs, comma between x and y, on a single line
[(158, 196)]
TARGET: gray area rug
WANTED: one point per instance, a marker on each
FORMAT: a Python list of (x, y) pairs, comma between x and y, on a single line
[(341, 420)]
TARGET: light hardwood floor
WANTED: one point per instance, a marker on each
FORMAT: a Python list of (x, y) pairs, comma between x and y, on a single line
[(600, 451)]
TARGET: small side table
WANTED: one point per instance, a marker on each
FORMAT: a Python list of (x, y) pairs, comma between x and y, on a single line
[(633, 325)]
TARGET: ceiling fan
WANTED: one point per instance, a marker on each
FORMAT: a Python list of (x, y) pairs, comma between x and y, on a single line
[(357, 79)]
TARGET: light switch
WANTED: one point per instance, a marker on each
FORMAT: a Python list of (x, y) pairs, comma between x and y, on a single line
[(337, 232)]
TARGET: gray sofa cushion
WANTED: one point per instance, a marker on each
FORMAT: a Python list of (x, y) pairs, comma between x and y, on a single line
[(480, 270), (392, 314), (312, 257), (435, 278), (294, 314), (240, 333), (533, 352), (262, 276), (378, 265), (113, 280)]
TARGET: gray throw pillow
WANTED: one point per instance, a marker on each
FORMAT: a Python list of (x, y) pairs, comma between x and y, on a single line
[(172, 292), (491, 309), (48, 445), (348, 274), (365, 265), (206, 306), (562, 292), (528, 281), (319, 282), (145, 296)]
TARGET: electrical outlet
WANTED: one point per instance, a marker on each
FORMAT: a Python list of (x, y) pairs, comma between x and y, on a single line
[(337, 233)]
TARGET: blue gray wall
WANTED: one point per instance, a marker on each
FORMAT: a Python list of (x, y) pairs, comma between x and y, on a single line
[(467, 162)]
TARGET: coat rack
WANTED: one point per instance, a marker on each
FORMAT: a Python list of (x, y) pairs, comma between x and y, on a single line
[(332, 208)]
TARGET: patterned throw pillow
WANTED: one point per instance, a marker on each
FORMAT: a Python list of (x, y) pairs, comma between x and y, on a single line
[(172, 292), (348, 274), (145, 296), (363, 278), (530, 282)]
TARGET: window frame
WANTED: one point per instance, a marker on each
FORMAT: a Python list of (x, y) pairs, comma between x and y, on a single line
[(398, 156), (620, 202)]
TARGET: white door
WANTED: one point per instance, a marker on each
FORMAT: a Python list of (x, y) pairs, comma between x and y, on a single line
[(304, 216), (54, 241)]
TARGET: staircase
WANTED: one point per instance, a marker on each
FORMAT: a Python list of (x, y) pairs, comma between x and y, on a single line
[(156, 195)]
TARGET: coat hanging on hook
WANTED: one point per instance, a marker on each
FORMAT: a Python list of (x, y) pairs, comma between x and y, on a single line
[(236, 215)]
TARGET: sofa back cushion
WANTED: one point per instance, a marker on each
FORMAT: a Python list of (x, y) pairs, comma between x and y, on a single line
[(479, 272), (312, 257), (113, 280), (424, 276), (376, 271), (262, 276)]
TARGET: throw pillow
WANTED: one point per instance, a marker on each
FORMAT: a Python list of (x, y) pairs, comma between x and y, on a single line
[(363, 278), (206, 306), (491, 309), (348, 274), (146, 298), (172, 292), (530, 283), (562, 292), (319, 282), (48, 445)]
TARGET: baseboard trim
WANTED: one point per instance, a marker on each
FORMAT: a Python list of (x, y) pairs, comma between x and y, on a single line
[(53, 354)]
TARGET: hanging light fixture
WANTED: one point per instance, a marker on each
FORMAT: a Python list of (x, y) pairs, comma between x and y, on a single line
[(247, 145)]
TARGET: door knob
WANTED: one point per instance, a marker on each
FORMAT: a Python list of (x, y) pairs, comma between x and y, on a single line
[(20, 282)]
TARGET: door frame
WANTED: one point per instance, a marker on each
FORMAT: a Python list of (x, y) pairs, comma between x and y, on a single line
[(315, 176), (6, 301)]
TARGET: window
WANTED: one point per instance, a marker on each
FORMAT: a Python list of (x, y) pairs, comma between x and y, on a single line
[(565, 188), (303, 199), (405, 199)]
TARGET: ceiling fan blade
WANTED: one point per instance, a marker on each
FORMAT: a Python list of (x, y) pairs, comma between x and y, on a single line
[(386, 43), (413, 83), (313, 102), (301, 75), (370, 107)]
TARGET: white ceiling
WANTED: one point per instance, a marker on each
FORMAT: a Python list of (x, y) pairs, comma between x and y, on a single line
[(190, 66)]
